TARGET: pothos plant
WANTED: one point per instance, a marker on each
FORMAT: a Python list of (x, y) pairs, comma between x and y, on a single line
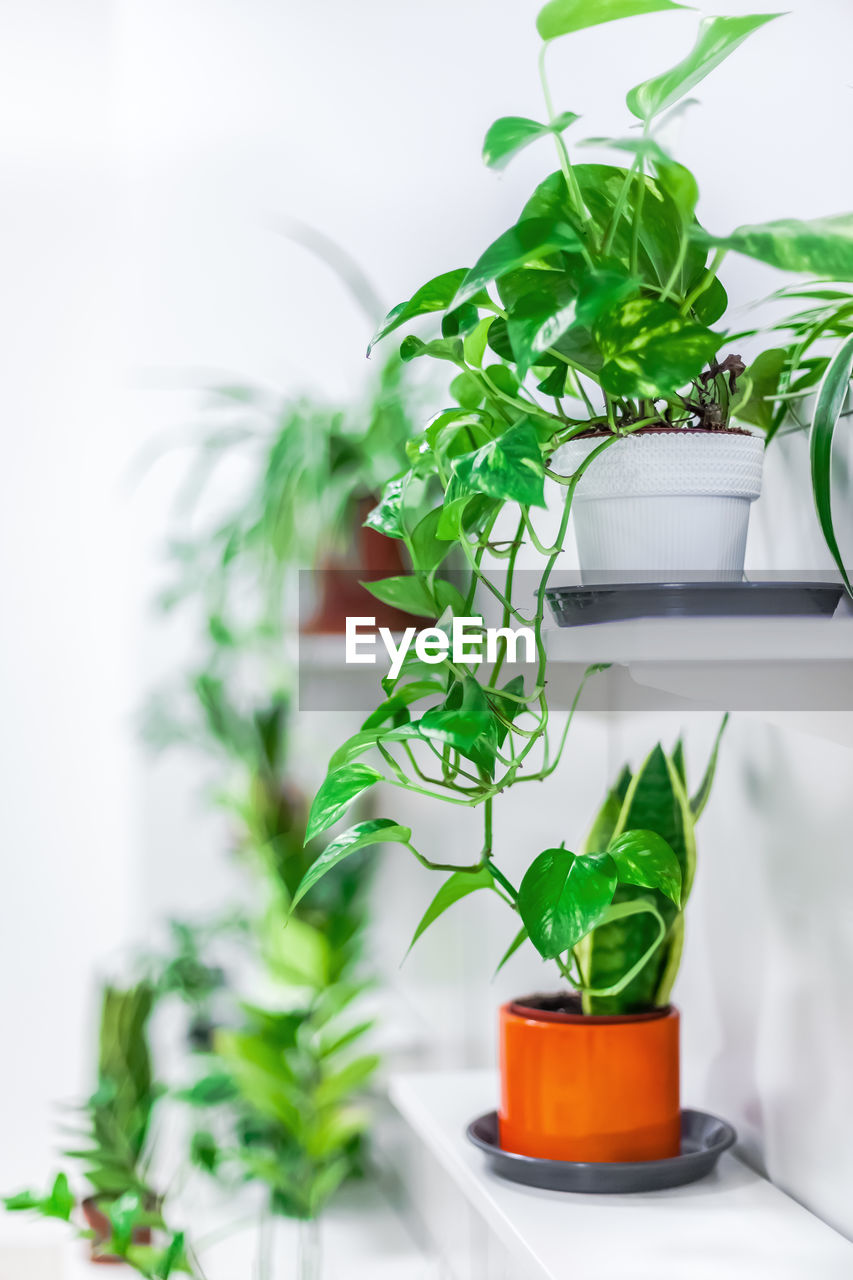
[(600, 310)]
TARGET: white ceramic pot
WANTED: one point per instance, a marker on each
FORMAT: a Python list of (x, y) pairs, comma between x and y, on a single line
[(664, 505)]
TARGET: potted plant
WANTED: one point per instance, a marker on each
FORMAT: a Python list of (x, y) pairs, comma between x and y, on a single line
[(594, 331), (282, 1097), (120, 1210), (591, 1073)]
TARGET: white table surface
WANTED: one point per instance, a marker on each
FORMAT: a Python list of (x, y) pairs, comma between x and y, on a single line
[(732, 1224)]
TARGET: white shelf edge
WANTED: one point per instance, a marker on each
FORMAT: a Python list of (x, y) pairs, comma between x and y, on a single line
[(733, 1225)]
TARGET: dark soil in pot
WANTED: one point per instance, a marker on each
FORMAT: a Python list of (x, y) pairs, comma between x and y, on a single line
[(660, 429), (340, 593), (567, 1005)]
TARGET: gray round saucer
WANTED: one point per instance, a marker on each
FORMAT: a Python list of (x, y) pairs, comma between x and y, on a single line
[(703, 1140)]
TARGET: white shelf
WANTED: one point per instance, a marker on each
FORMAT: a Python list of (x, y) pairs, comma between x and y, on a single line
[(773, 667), (733, 1225)]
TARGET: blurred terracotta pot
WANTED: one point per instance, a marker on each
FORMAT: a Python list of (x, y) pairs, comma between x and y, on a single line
[(590, 1088), (99, 1223), (372, 557)]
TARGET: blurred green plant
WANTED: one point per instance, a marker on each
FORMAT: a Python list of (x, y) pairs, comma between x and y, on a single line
[(278, 1098), (121, 1209)]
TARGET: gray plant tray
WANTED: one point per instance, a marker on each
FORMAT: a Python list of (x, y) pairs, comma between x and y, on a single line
[(618, 602), (704, 1138)]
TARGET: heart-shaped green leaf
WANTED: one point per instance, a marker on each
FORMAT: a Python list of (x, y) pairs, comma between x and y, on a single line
[(511, 134), (360, 836), (650, 350), (385, 516), (763, 374), (439, 349), (561, 17), (508, 467), (718, 37), (412, 595), (460, 884), (644, 858), (435, 295), (821, 247), (528, 241), (465, 722), (337, 793), (563, 896)]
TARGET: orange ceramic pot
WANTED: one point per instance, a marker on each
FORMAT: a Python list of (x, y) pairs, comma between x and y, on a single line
[(579, 1087)]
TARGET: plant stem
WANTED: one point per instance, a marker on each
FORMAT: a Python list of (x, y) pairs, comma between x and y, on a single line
[(310, 1262), (705, 282), (443, 866), (562, 151)]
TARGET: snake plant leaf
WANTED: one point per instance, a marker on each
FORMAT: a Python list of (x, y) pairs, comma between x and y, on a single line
[(528, 241), (458, 886), (700, 799), (718, 37), (412, 595), (830, 403), (650, 350), (821, 247), (655, 801), (518, 940), (435, 295), (608, 815), (509, 467), (644, 858), (679, 761), (359, 836), (563, 896), (339, 789), (511, 134), (562, 17)]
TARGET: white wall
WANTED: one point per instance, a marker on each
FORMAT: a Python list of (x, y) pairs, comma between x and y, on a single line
[(201, 121), (65, 682)]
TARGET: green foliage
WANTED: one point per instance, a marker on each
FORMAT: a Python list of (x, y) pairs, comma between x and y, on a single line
[(655, 798), (718, 37), (119, 1111), (830, 403), (511, 134), (114, 1159), (58, 1203), (600, 311), (293, 1104), (560, 17)]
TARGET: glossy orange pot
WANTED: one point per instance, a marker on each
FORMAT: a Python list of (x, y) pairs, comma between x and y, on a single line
[(579, 1087)]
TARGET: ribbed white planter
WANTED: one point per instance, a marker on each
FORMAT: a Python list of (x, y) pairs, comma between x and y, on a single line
[(664, 505)]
